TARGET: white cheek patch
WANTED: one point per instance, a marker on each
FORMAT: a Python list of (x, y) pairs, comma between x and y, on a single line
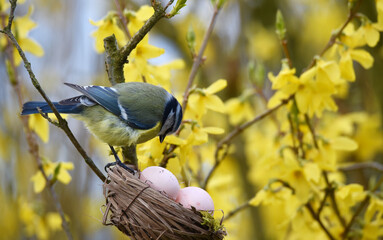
[(168, 123), (177, 118)]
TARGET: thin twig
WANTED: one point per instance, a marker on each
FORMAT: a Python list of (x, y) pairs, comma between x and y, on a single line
[(31, 139), (116, 58), (159, 12), (286, 51), (317, 218), (62, 122), (123, 20), (323, 202), (352, 13), (312, 130), (199, 59), (236, 210), (238, 130)]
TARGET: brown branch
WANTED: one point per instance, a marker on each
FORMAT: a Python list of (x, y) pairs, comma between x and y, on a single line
[(236, 210), (116, 58), (62, 122), (286, 51), (122, 18), (238, 130), (197, 61), (31, 139), (317, 218)]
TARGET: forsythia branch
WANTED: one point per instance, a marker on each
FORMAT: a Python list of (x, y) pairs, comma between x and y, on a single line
[(197, 61), (352, 13), (116, 58), (62, 122), (31, 139), (238, 130)]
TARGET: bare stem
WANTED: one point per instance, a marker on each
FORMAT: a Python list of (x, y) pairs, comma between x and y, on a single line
[(317, 218), (116, 58), (236, 210), (197, 61), (31, 139), (286, 51), (123, 20), (199, 58), (352, 13)]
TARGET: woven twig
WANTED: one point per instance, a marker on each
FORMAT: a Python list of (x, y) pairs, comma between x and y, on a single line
[(144, 213)]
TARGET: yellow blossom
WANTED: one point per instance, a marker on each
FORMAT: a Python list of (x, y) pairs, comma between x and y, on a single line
[(21, 27), (199, 135), (37, 225), (370, 33), (137, 19), (161, 74), (107, 27), (349, 195), (53, 170), (205, 98), (314, 95), (239, 109), (299, 177), (138, 67), (40, 126), (286, 84)]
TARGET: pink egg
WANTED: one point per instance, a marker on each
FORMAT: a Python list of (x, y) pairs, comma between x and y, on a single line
[(196, 197), (162, 180)]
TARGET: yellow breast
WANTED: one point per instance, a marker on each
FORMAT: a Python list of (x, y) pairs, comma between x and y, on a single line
[(111, 130)]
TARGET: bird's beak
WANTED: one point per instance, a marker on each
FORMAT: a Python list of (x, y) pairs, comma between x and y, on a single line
[(162, 137)]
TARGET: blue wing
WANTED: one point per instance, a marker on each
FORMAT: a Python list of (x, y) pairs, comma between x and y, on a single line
[(108, 98)]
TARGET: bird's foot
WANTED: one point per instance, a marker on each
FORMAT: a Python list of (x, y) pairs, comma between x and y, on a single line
[(119, 163)]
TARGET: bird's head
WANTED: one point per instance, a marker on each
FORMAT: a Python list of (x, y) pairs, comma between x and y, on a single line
[(172, 117)]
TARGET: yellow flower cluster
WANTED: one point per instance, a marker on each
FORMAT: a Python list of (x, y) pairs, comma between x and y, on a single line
[(138, 69), (298, 161)]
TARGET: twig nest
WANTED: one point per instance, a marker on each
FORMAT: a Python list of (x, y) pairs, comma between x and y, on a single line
[(142, 212)]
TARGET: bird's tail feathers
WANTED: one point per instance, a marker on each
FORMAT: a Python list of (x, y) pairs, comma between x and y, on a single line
[(32, 108)]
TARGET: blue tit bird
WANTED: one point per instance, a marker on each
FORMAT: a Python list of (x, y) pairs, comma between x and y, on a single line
[(122, 115)]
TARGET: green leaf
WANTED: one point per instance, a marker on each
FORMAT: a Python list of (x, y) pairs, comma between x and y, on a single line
[(190, 39), (280, 25), (179, 4)]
